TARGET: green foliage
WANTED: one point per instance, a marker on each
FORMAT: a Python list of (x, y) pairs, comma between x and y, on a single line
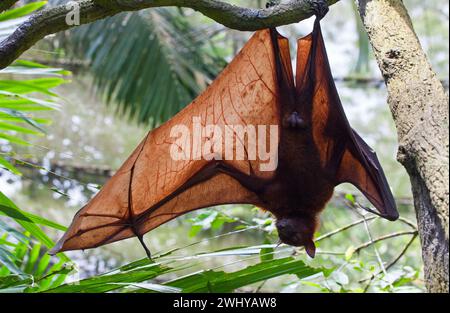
[(346, 266), (209, 219), (219, 281), (132, 276), (23, 266), (117, 279), (28, 221), (21, 11), (17, 103), (26, 266)]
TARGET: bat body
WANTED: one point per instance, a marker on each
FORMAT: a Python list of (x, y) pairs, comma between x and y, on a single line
[(289, 144)]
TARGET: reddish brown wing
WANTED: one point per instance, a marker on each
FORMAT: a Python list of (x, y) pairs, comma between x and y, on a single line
[(343, 153), (151, 187)]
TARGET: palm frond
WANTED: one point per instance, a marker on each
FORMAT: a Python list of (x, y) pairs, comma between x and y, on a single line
[(148, 64)]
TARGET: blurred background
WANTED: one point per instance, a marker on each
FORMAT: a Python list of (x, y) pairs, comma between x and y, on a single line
[(131, 72)]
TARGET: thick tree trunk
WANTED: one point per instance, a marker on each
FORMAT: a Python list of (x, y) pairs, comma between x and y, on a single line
[(419, 105)]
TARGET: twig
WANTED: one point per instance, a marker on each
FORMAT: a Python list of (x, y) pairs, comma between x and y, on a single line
[(408, 222), (343, 228), (32, 165), (257, 290), (381, 238), (392, 263), (372, 242)]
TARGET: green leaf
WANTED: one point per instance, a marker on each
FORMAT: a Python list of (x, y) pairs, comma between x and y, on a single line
[(55, 276), (42, 265), (32, 258), (25, 99), (267, 254), (15, 128), (219, 281), (152, 287), (7, 259), (5, 164), (12, 281), (10, 231), (8, 208), (113, 281), (25, 67), (350, 198), (16, 116), (14, 139), (28, 222), (21, 11), (41, 85), (349, 253)]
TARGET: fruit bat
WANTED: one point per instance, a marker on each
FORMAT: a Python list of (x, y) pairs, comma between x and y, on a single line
[(289, 144)]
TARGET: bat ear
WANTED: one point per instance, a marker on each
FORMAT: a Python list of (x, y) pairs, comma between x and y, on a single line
[(310, 249)]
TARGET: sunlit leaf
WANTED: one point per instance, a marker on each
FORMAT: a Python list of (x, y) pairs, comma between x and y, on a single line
[(21, 11), (5, 164), (219, 281)]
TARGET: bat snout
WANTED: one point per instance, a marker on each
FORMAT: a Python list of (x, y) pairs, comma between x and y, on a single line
[(294, 232)]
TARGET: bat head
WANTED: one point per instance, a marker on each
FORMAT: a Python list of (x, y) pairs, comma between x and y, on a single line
[(298, 231)]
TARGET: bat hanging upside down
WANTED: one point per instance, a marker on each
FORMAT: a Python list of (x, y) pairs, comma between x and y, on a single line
[(257, 135)]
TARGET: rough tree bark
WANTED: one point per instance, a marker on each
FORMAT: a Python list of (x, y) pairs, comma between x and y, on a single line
[(419, 105), (417, 98)]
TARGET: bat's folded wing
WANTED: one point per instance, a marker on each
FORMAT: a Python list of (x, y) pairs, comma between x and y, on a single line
[(168, 175), (343, 153), (360, 166)]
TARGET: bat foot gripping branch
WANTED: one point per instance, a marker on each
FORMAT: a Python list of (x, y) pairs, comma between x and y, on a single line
[(319, 7), (272, 3)]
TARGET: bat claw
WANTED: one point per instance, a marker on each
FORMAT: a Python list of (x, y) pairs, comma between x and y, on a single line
[(147, 250), (319, 7), (272, 3)]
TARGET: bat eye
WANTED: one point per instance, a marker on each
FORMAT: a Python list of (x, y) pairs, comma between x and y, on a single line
[(282, 225)]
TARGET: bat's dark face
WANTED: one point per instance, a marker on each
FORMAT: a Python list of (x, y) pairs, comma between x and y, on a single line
[(297, 231)]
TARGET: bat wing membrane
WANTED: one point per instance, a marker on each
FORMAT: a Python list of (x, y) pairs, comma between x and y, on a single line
[(152, 187), (343, 153)]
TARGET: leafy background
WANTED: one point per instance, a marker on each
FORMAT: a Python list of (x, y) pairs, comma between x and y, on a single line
[(76, 105)]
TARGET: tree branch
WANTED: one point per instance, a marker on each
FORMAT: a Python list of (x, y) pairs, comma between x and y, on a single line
[(53, 20), (381, 238)]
